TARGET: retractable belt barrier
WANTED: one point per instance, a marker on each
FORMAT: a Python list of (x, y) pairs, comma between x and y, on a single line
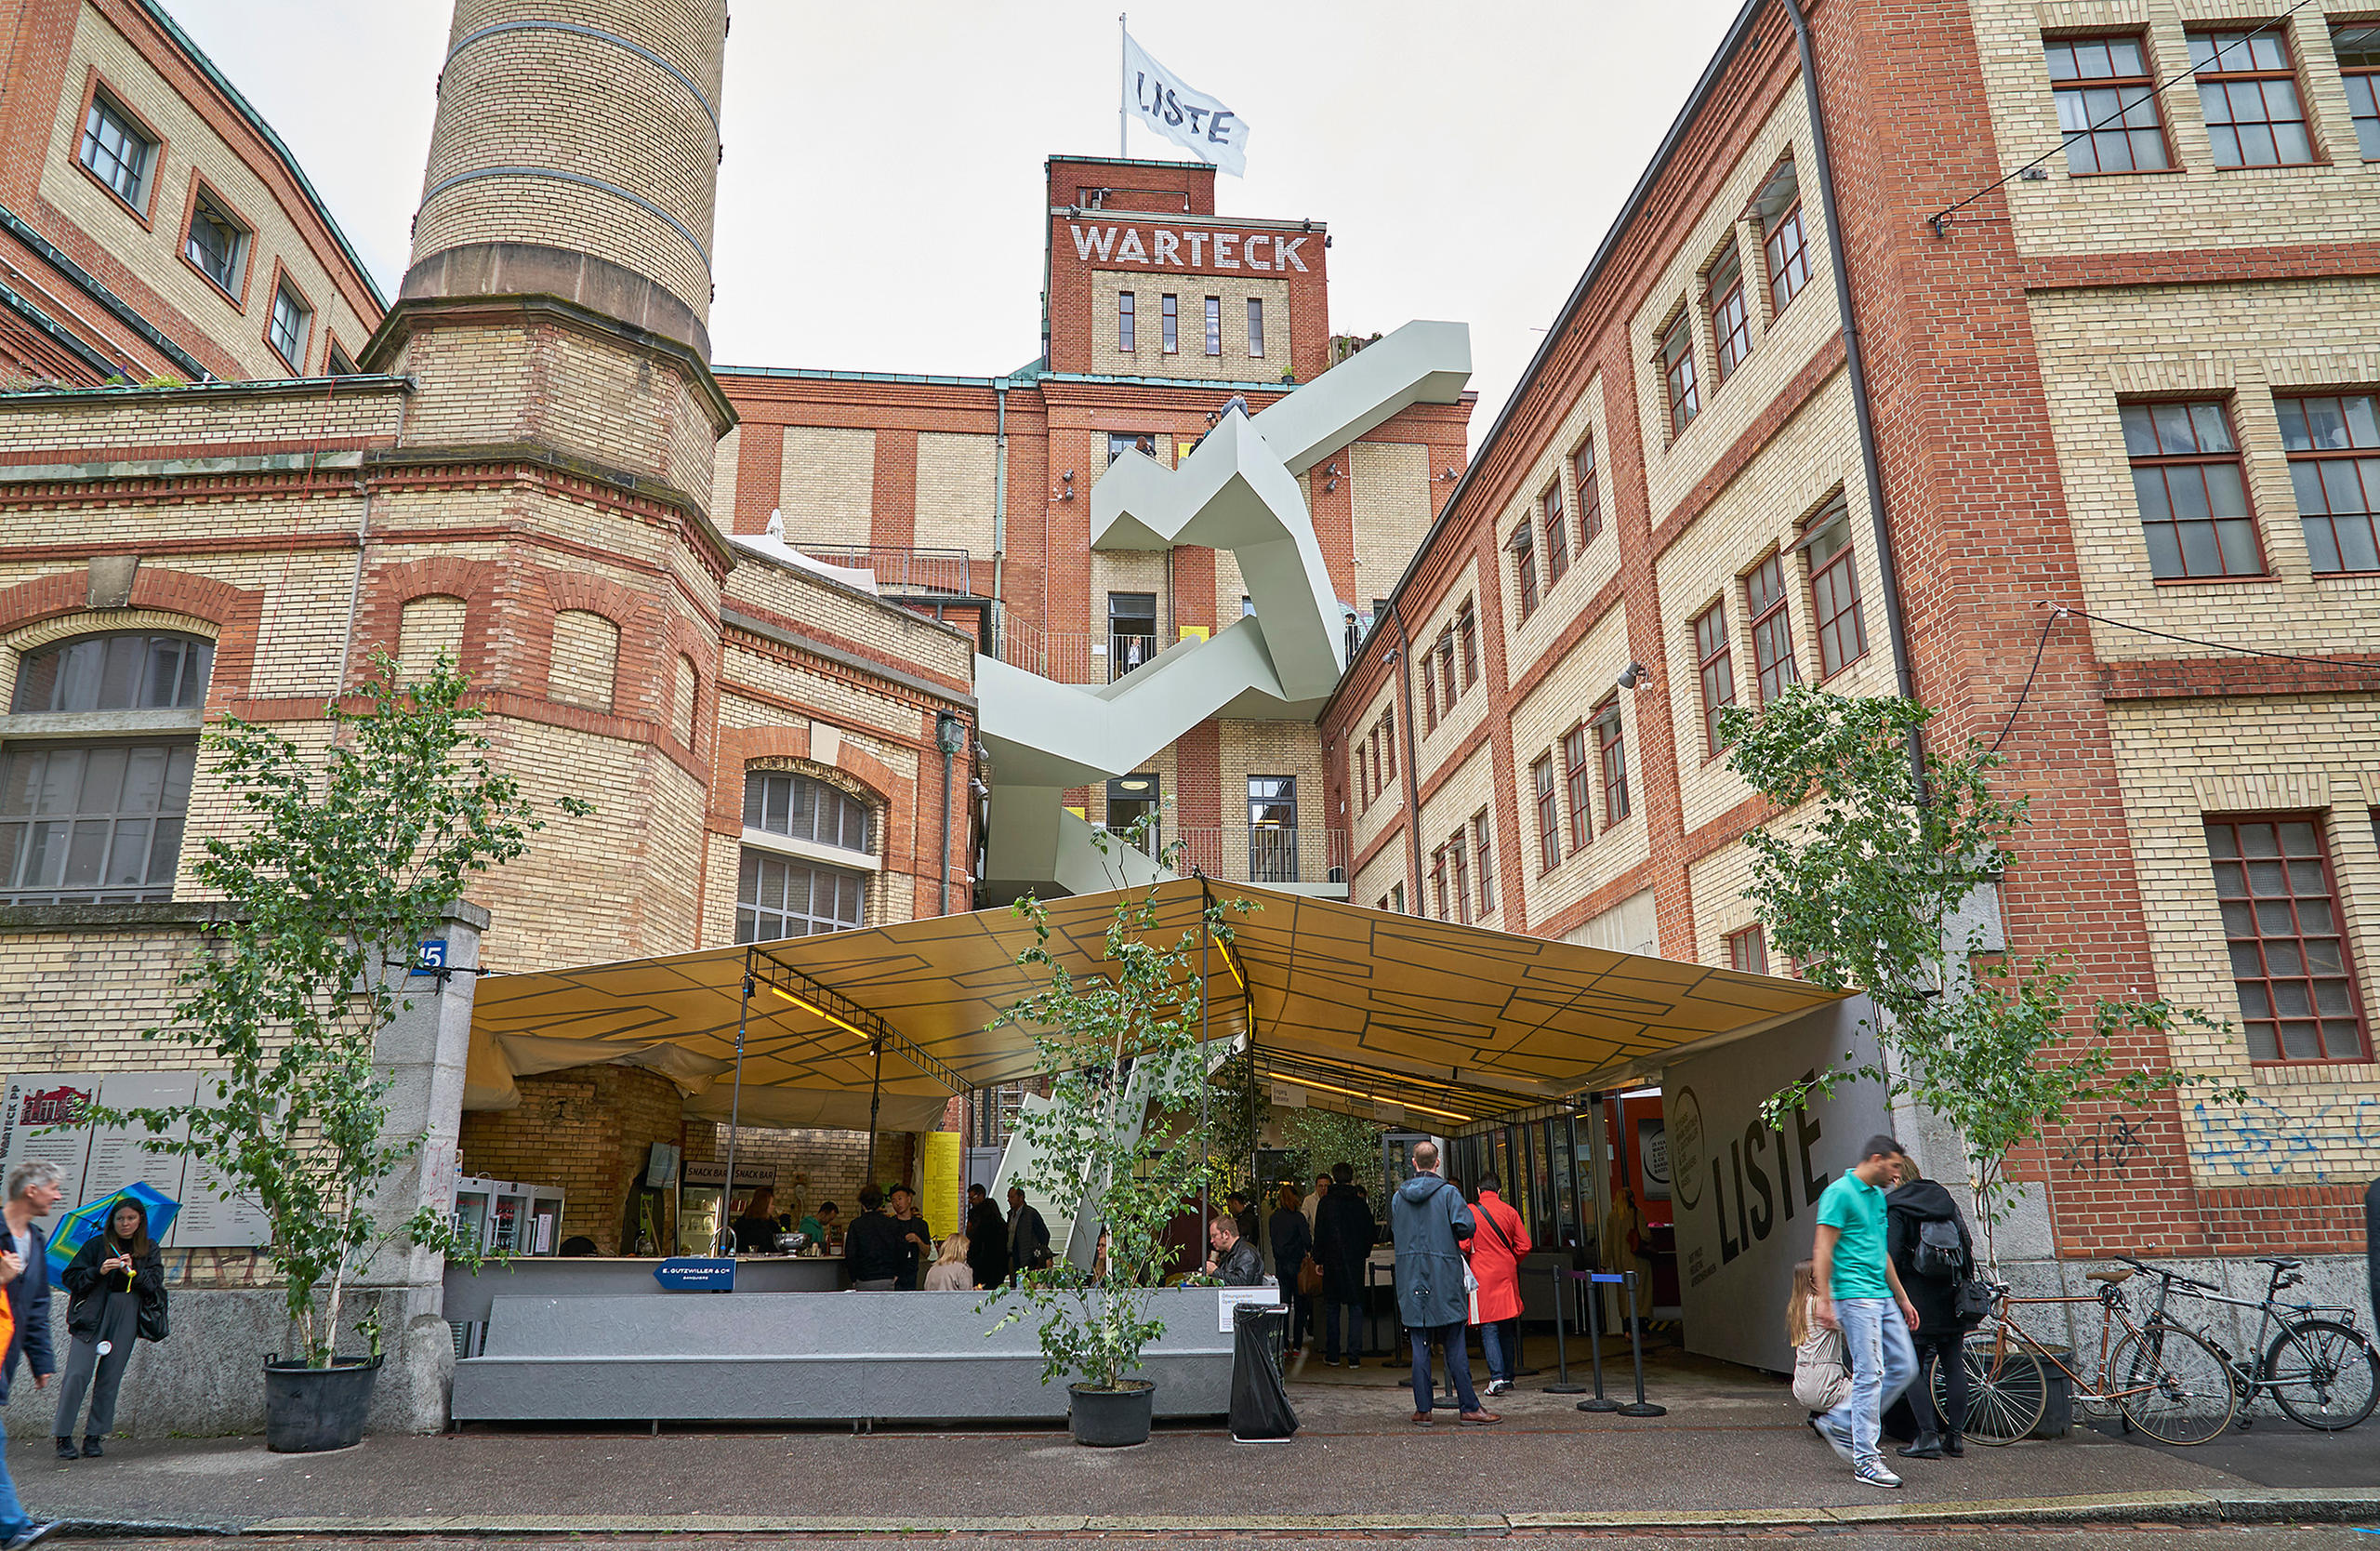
[(1626, 1281)]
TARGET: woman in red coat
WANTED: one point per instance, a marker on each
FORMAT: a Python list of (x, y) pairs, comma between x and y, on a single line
[(1496, 1251)]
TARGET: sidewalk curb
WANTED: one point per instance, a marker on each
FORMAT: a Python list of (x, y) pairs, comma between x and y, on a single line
[(2244, 1506)]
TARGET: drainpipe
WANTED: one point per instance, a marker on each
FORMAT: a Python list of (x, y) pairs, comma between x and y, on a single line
[(1411, 783), (999, 509), (949, 735), (1855, 362)]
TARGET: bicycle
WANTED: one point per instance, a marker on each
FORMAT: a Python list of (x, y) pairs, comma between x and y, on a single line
[(2165, 1379), (2319, 1368)]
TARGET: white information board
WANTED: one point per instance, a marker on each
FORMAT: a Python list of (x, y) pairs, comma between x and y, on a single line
[(95, 1162), (1230, 1298)]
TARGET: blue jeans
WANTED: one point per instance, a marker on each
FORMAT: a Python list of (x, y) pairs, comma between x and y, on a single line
[(1332, 1313), (1455, 1338), (1883, 1359), (14, 1521), (1501, 1339)]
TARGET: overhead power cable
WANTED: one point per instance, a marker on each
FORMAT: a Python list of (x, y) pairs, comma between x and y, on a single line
[(1941, 219)]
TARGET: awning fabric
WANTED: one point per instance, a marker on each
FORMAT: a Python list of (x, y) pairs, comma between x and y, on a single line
[(1359, 1009)]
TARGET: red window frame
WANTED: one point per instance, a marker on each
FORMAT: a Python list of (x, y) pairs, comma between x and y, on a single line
[(1429, 695), (2186, 470), (1787, 245), (1731, 320), (1523, 545), (2290, 956), (2254, 102), (1168, 324), (1446, 671), (1549, 814), (1834, 590), (1714, 664), (1582, 469), (1576, 771), (1772, 629), (1460, 880), (1748, 949), (1557, 538), (1128, 327), (1678, 371), (1438, 880), (1388, 743), (2356, 44), (2334, 445), (1611, 749), (2104, 81), (1467, 635)]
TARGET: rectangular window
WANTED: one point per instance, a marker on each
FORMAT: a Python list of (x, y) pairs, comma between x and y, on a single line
[(1362, 778), (1577, 772), (2254, 116), (1459, 867), (117, 152), (97, 823), (1396, 897), (1467, 635), (1445, 670), (2334, 462), (1611, 745), (1429, 697), (1169, 321), (1126, 338), (1772, 629), (1717, 666), (1730, 322), (1582, 469), (338, 363), (1132, 631), (1214, 325), (2289, 957), (1256, 327), (1549, 815), (1272, 829), (2193, 500), (1557, 538), (2106, 105), (1524, 548), (1678, 370), (1122, 441), (2358, 48), (216, 243), (1834, 590), (1483, 853), (1388, 741), (1747, 950), (1783, 242), (1438, 879), (778, 896), (292, 320)]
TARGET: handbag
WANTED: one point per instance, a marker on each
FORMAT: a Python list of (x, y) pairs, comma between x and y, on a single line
[(1309, 1277), (1972, 1301), (153, 1324)]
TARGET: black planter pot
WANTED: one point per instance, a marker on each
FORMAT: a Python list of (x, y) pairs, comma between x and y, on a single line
[(308, 1409), (1111, 1418)]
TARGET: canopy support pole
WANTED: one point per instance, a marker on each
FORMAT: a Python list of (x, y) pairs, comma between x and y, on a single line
[(874, 1098), (726, 1244), (1206, 1000)]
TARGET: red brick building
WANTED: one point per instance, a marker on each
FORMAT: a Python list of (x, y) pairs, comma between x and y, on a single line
[(2060, 329)]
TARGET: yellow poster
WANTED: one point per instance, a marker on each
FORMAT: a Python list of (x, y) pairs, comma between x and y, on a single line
[(939, 1182)]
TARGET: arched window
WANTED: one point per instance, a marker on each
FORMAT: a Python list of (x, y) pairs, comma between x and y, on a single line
[(587, 655), (808, 852), (91, 810)]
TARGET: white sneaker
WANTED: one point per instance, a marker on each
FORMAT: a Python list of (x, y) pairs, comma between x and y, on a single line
[(1837, 1439), (1875, 1475), (1500, 1386)]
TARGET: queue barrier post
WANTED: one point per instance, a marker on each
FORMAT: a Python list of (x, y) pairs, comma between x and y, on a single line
[(1636, 1345), (1594, 1281), (1563, 1286)]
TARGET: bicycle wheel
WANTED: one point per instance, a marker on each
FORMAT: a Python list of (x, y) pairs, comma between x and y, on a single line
[(2181, 1388), (2323, 1374), (2006, 1396)]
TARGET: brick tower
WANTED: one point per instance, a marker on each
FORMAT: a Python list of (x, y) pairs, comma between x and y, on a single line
[(545, 514)]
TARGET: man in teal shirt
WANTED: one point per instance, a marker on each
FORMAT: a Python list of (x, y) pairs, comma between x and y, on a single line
[(1858, 1290)]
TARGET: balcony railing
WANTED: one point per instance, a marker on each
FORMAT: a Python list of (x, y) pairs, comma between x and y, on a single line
[(942, 573), (1076, 657), (1266, 853)]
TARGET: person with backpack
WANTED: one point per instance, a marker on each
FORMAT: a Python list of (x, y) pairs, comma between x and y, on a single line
[(1496, 1251), (1930, 1247)]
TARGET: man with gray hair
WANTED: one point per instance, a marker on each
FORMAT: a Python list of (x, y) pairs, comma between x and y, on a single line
[(34, 1190), (1428, 1219)]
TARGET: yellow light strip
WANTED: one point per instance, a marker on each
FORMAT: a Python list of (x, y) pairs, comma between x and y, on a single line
[(812, 1007), (1370, 1098), (1231, 963)]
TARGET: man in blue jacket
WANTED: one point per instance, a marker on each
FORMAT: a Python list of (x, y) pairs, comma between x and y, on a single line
[(24, 1261), (1428, 1219)]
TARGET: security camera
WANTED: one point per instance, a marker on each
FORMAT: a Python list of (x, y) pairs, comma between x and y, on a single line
[(1633, 674)]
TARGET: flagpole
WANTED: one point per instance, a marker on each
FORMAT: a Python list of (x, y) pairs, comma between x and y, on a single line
[(1123, 70)]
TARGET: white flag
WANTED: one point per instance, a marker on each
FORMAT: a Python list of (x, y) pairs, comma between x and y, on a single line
[(1188, 117)]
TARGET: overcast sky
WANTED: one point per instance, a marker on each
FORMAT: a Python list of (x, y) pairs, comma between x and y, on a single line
[(880, 204)]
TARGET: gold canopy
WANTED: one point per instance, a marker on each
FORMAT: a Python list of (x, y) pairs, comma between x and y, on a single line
[(1357, 1008)]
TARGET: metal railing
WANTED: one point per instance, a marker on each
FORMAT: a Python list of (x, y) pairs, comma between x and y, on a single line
[(1077, 656), (944, 573), (1266, 853)]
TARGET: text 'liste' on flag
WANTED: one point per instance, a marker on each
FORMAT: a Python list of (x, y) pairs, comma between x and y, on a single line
[(1181, 113)]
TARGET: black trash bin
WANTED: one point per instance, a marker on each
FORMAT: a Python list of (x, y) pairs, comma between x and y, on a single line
[(1259, 1401)]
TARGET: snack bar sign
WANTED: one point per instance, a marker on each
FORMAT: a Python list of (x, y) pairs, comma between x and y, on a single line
[(1165, 248)]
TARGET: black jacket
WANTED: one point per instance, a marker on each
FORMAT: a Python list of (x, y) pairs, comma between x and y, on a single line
[(986, 1244), (1292, 1242), (1343, 1235), (873, 1250), (1919, 1201), (88, 1289), (29, 1300), (1241, 1266), (1028, 1239)]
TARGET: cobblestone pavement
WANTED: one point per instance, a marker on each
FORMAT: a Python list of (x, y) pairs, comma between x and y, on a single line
[(1949, 1537)]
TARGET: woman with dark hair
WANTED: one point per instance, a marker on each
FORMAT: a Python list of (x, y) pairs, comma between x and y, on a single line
[(114, 1277)]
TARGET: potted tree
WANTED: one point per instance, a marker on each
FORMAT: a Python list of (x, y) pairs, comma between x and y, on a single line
[(1120, 1053), (350, 857)]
